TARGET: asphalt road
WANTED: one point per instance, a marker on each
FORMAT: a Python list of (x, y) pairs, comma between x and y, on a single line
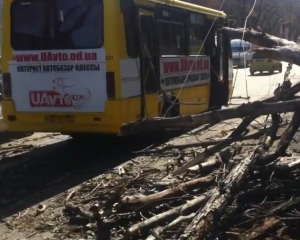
[(259, 86)]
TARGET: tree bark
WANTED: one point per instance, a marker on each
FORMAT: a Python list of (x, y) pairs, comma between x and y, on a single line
[(284, 142), (160, 196), (272, 47), (168, 215), (258, 38), (206, 219), (194, 121)]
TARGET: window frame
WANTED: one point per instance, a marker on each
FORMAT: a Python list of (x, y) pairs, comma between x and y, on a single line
[(12, 22), (189, 24), (170, 20), (131, 33)]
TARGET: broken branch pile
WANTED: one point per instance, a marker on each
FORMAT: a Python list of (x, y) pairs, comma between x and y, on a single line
[(243, 186)]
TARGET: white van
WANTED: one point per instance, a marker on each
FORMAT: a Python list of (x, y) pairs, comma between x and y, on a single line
[(240, 52)]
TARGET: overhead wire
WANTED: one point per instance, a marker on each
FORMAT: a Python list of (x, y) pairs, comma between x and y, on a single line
[(218, 181), (244, 29), (195, 58)]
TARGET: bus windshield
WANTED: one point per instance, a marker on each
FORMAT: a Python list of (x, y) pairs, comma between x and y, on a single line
[(56, 24)]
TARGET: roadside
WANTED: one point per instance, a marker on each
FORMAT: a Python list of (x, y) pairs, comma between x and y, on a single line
[(58, 171)]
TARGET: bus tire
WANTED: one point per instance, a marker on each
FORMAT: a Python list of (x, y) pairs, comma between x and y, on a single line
[(168, 110)]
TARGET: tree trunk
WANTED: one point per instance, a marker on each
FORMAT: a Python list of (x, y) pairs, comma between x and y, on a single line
[(272, 47), (194, 121)]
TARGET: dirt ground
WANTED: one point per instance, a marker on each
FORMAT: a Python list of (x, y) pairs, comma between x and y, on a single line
[(35, 185)]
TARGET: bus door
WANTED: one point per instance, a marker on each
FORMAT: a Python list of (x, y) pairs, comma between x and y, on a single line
[(219, 91), (149, 68)]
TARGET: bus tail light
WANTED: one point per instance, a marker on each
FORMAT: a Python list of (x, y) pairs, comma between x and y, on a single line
[(110, 85), (6, 85)]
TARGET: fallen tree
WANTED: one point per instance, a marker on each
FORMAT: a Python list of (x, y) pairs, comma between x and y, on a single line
[(196, 120), (225, 190), (272, 47)]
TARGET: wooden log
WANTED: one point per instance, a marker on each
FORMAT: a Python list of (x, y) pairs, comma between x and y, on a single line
[(200, 158), (257, 38), (259, 231), (280, 167), (177, 222), (287, 53), (168, 215), (208, 152), (160, 196), (284, 142), (206, 219), (80, 211), (206, 143), (272, 133), (193, 121), (273, 47), (284, 92)]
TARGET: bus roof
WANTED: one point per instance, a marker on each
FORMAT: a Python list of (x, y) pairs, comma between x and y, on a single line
[(192, 7)]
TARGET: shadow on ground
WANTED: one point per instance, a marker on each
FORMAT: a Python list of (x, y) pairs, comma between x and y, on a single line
[(6, 136), (50, 170)]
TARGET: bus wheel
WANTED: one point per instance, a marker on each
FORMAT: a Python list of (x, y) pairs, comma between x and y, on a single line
[(171, 110)]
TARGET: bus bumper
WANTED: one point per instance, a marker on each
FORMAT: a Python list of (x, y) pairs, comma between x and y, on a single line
[(60, 122)]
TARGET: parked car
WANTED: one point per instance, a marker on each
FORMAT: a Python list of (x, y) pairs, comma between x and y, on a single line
[(261, 64), (240, 52)]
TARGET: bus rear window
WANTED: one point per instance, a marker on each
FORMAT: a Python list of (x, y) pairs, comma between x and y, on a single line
[(56, 24)]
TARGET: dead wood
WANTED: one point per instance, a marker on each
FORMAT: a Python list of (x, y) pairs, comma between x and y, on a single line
[(284, 142), (208, 152), (77, 210), (210, 164), (177, 222), (284, 166), (193, 121), (269, 223), (207, 143), (170, 215), (272, 133), (164, 195), (200, 158), (283, 92), (257, 38), (205, 220), (273, 47)]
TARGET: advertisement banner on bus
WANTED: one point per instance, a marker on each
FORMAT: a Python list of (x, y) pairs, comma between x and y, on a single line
[(54, 81), (188, 71)]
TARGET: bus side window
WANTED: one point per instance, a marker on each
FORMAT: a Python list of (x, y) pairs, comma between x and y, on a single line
[(130, 32), (197, 34), (170, 27)]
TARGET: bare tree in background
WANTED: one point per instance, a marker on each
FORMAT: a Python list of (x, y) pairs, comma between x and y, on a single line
[(276, 17)]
